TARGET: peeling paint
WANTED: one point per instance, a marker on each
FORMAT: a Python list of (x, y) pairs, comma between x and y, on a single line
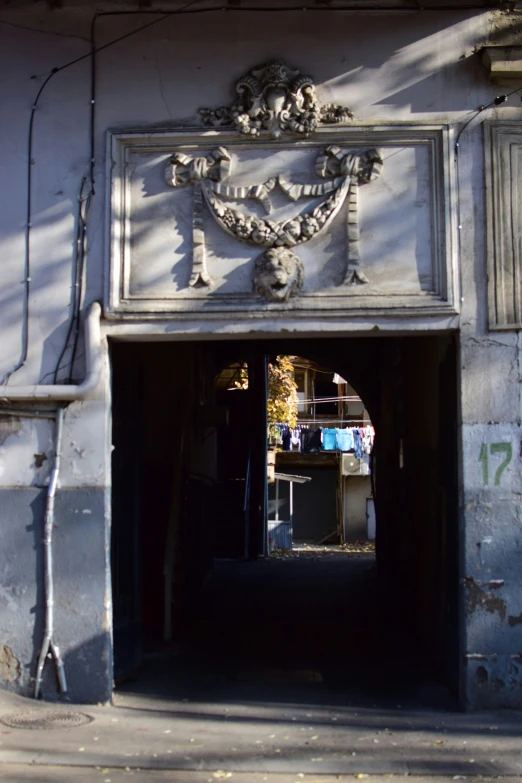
[(10, 667), (39, 460), (81, 452), (493, 584), (481, 676), (514, 620), (478, 598)]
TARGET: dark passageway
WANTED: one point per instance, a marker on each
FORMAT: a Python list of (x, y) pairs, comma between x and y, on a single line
[(300, 614), (201, 612), (307, 631)]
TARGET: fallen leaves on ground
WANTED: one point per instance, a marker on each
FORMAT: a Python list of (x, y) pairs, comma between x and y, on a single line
[(315, 550), (359, 547)]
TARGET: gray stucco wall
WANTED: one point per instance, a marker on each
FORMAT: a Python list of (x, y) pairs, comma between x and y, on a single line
[(82, 613), (82, 600), (493, 547)]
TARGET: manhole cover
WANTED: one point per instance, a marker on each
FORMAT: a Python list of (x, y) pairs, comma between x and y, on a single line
[(40, 719)]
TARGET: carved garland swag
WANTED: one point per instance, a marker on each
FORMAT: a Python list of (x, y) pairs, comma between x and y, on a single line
[(345, 170)]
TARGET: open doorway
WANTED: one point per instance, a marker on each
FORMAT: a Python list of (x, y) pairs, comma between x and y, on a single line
[(194, 584), (320, 444)]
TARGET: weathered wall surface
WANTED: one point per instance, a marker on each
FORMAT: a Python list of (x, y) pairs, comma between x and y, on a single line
[(491, 497), (419, 70), (412, 68), (82, 599)]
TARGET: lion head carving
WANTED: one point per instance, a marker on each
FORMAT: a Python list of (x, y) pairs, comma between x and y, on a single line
[(278, 275)]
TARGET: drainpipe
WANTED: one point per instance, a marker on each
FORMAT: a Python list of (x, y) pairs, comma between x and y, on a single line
[(61, 394), (66, 393), (48, 645)]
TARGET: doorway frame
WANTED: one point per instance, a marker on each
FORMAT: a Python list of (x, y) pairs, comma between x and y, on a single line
[(134, 333)]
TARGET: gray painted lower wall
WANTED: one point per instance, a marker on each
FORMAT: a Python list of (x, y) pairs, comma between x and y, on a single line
[(492, 543), (493, 680), (82, 600)]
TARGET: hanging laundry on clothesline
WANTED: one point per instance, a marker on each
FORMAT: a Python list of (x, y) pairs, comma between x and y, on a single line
[(358, 440), (292, 438)]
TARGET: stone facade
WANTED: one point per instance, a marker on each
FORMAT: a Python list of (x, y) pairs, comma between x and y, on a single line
[(398, 235)]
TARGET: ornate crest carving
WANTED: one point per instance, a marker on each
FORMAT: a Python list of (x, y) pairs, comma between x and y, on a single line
[(278, 272), (276, 99)]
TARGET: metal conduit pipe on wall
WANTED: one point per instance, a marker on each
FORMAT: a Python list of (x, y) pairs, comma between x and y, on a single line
[(67, 392), (49, 647), (57, 393)]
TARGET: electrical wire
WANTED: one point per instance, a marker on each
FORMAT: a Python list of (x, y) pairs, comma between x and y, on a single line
[(84, 200), (30, 163), (498, 101), (495, 102), (94, 50), (83, 212), (341, 398), (27, 258)]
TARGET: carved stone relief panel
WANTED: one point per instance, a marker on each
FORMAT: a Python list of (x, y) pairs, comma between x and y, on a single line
[(351, 220), (344, 170), (504, 204)]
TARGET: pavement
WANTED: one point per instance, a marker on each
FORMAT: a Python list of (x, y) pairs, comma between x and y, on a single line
[(303, 689), (154, 738), (20, 774)]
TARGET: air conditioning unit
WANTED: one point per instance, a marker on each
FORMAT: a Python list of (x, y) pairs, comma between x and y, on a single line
[(351, 466)]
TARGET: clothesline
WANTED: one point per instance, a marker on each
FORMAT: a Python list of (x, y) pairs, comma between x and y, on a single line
[(312, 436), (342, 398), (325, 422)]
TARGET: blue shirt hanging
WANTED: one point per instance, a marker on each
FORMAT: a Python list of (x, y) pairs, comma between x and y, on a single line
[(344, 440), (329, 440)]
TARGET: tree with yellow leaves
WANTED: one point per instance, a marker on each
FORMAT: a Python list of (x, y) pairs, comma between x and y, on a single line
[(282, 393)]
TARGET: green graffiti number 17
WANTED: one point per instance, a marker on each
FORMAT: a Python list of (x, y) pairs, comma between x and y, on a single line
[(495, 448)]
